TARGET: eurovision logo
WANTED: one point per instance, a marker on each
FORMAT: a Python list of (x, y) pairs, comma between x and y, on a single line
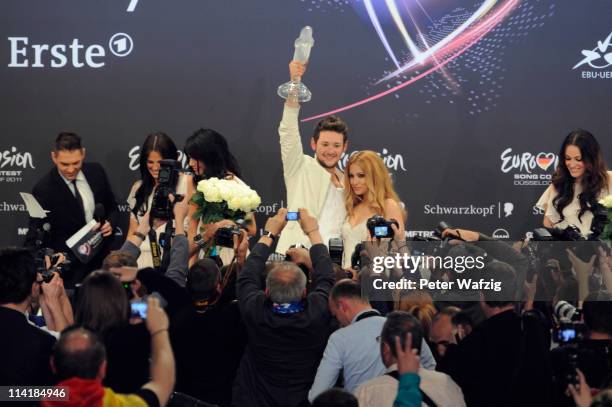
[(529, 168)]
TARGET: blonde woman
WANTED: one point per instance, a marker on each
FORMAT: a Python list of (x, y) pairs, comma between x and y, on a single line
[(368, 191)]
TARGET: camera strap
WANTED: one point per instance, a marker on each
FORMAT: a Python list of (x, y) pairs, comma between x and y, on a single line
[(367, 314), (155, 249), (426, 399), (166, 245)]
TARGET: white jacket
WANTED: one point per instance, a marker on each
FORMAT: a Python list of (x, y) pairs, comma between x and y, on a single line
[(307, 182)]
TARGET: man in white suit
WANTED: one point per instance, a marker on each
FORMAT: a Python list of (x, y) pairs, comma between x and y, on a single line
[(314, 183)]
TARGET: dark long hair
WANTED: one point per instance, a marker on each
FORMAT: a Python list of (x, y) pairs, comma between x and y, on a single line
[(594, 180), (211, 148), (163, 144), (102, 303)]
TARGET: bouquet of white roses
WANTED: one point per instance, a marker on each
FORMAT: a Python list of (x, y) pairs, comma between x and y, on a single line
[(607, 233), (219, 199)]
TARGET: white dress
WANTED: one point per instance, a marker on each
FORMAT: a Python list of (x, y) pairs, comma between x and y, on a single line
[(571, 211), (351, 236)]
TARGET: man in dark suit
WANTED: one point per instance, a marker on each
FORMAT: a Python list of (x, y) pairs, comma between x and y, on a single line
[(70, 192), (287, 328), (24, 348), (504, 361)]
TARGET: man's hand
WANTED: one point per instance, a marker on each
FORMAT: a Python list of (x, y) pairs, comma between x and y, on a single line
[(106, 229), (125, 274), (211, 228), (54, 289), (241, 246), (582, 394), (300, 255), (399, 233), (277, 223), (407, 358), (157, 319), (463, 234), (296, 70), (180, 209)]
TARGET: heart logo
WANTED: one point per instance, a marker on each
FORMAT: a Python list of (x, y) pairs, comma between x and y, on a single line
[(544, 160)]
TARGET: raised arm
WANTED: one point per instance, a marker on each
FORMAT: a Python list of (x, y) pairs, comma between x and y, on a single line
[(162, 369), (292, 153)]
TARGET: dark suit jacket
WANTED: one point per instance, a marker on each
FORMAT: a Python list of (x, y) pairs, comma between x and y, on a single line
[(25, 351), (215, 338), (502, 363), (65, 216), (284, 350)]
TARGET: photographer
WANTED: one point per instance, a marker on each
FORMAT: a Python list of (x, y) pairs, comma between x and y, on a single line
[(503, 361), (80, 362), (208, 332), (592, 354), (178, 263), (156, 147), (24, 348), (465, 243), (287, 327)]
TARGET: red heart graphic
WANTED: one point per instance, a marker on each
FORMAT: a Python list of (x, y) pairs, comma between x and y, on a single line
[(544, 160)]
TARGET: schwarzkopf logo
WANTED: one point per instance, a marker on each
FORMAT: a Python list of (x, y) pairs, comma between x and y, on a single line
[(26, 54), (598, 58), (501, 209)]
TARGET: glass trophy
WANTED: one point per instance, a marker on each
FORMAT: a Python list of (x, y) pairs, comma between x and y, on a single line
[(303, 45)]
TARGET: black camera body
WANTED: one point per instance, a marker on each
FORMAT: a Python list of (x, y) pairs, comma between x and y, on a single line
[(41, 266), (436, 244), (381, 228), (161, 207), (336, 250), (224, 236)]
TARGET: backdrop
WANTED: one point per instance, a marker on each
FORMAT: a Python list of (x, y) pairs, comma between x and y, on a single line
[(466, 101)]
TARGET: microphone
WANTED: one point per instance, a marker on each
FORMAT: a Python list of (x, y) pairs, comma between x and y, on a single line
[(100, 214), (40, 233)]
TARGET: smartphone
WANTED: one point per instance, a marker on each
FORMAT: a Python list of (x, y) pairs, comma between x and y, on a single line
[(139, 309), (293, 215)]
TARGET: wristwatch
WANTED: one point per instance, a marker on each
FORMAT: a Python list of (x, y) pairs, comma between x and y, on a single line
[(140, 235), (268, 234)]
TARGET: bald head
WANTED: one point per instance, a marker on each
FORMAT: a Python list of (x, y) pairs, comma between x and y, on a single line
[(286, 283), (78, 353)]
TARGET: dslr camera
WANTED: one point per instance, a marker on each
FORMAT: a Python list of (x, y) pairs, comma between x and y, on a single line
[(224, 236), (380, 227), (41, 265), (161, 207), (336, 250)]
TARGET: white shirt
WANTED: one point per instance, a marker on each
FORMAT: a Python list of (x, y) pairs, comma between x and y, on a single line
[(89, 203), (381, 391), (333, 214)]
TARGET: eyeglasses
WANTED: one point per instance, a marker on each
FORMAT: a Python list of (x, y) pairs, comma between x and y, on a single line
[(378, 338)]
